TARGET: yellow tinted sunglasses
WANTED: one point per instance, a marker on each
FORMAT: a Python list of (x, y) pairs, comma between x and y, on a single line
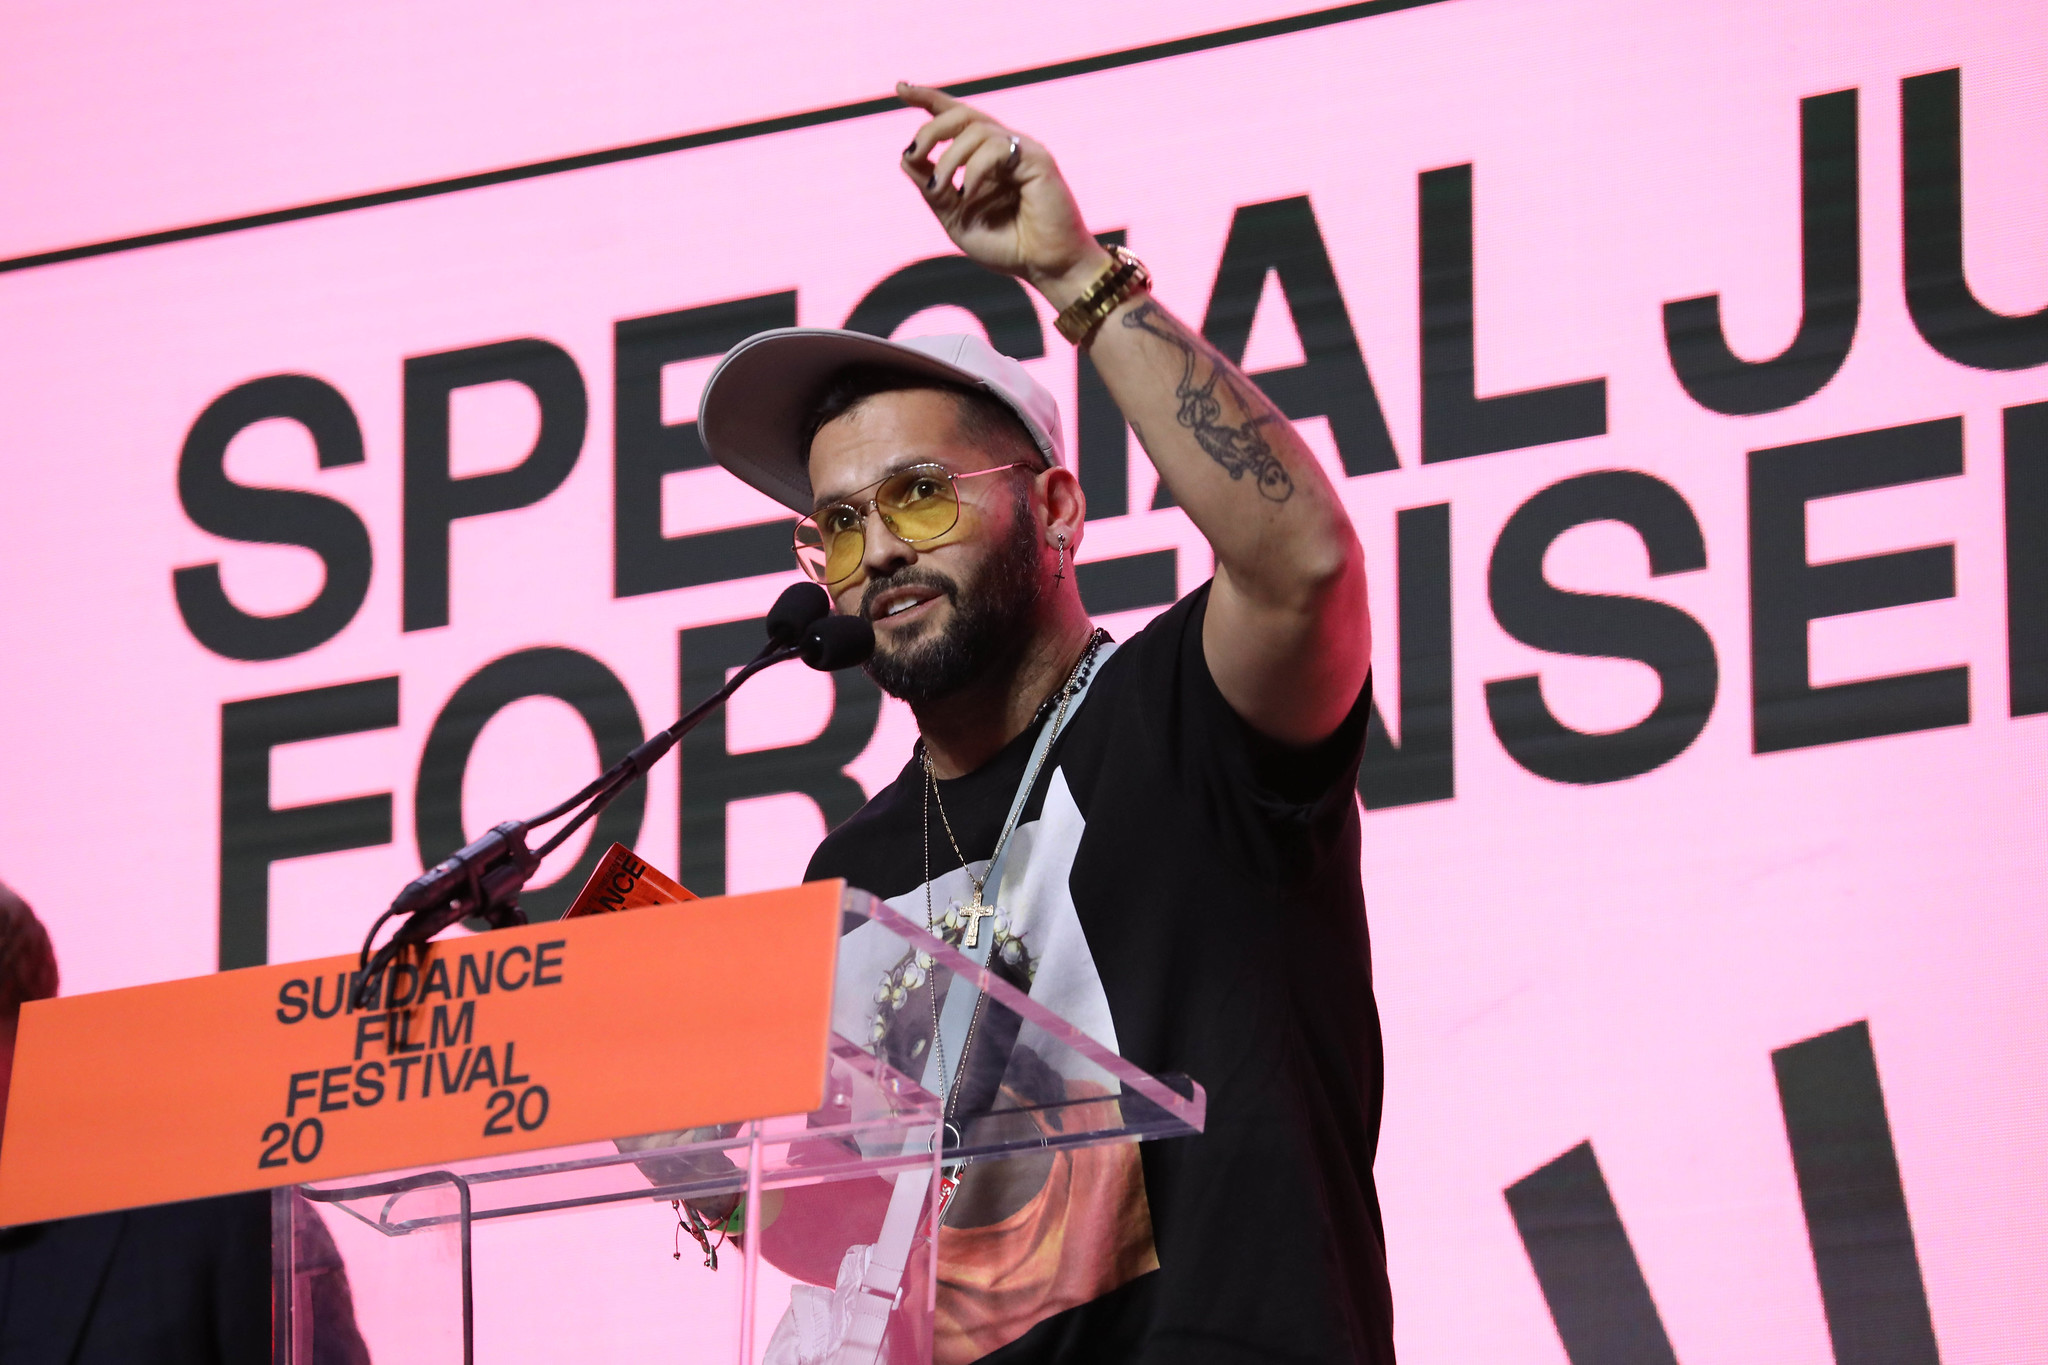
[(918, 505)]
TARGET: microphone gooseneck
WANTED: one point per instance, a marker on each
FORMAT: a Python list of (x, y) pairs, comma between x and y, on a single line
[(485, 877)]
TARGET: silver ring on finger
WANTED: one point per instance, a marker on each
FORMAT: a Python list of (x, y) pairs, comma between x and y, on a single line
[(1016, 150)]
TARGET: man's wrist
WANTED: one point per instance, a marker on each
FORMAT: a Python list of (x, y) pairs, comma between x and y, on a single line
[(1121, 279), (1062, 287)]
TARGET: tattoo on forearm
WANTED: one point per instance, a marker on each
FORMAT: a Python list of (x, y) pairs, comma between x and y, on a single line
[(1240, 449)]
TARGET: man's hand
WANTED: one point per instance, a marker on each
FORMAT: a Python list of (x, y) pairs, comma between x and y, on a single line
[(1000, 197), (680, 1168)]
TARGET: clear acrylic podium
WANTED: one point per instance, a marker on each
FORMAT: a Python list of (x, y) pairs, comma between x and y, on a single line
[(592, 1252)]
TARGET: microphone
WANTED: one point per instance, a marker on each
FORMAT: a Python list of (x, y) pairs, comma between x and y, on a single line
[(484, 877), (838, 642), (794, 611)]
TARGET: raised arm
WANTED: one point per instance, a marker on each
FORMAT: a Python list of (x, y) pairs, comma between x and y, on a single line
[(1287, 637)]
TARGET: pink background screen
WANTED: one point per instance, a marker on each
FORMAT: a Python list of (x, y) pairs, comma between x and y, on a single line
[(1558, 962)]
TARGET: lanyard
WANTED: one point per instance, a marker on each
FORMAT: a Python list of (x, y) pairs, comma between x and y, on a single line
[(882, 1276), (957, 1016)]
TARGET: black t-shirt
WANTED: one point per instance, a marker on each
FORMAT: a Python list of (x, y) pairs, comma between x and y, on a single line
[(1187, 892)]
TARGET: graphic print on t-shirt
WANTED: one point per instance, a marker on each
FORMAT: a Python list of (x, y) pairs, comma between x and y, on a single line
[(1087, 1228), (1166, 873)]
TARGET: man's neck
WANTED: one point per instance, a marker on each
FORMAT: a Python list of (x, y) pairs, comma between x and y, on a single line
[(965, 730)]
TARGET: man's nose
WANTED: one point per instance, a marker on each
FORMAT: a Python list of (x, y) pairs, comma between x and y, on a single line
[(882, 549)]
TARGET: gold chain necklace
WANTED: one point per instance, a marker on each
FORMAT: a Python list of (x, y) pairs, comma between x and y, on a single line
[(976, 910)]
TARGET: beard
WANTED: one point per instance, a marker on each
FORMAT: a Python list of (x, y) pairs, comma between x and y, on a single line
[(991, 617)]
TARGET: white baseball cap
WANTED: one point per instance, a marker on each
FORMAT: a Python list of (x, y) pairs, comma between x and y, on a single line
[(754, 409)]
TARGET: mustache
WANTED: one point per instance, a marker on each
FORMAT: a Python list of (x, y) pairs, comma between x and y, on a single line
[(910, 576)]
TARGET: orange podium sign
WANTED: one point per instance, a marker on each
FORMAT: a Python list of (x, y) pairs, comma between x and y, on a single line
[(605, 1026)]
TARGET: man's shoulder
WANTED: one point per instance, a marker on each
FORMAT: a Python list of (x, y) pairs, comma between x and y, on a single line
[(1154, 655), (843, 850), (1162, 708)]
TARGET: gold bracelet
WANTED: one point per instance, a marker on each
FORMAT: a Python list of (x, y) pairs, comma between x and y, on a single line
[(1124, 276)]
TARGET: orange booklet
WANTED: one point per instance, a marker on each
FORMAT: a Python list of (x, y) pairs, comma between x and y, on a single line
[(624, 882)]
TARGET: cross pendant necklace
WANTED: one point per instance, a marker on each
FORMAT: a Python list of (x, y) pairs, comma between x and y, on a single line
[(975, 912)]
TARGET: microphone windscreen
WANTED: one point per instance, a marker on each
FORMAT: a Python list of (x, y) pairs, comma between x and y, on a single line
[(838, 642), (799, 605)]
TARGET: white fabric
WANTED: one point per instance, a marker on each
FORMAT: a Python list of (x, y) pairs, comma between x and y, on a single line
[(813, 1329), (754, 409)]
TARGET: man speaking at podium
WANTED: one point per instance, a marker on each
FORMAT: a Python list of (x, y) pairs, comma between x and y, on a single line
[(1159, 840)]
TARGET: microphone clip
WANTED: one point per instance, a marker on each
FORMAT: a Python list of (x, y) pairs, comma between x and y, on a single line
[(481, 880)]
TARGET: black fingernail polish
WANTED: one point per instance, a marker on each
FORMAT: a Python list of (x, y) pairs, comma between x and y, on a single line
[(933, 183), (911, 148)]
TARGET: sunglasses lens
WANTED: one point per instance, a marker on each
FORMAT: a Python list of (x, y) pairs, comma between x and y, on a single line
[(919, 504), (831, 551)]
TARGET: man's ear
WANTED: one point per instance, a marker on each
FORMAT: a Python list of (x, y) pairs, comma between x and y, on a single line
[(1066, 506)]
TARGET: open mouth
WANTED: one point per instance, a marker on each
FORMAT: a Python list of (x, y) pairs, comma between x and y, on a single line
[(897, 603)]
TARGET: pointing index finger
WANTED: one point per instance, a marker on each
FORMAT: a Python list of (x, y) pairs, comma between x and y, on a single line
[(925, 97)]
